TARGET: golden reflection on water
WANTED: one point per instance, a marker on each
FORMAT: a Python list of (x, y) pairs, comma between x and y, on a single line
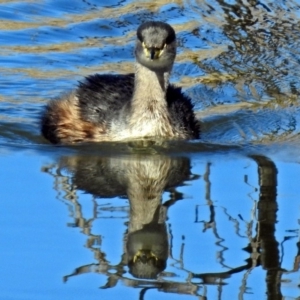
[(88, 16), (119, 67)]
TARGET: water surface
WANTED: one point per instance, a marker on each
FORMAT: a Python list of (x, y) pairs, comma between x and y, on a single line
[(215, 218)]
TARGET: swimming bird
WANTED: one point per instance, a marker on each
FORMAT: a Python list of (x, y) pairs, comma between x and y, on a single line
[(108, 107)]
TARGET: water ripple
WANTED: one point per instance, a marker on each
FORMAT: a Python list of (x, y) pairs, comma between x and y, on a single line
[(231, 54)]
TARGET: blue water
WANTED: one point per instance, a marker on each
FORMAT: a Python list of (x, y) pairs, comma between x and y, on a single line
[(224, 211)]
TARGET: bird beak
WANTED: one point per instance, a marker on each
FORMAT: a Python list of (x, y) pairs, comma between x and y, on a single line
[(153, 52)]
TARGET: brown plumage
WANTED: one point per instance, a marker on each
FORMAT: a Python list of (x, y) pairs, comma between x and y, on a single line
[(66, 124)]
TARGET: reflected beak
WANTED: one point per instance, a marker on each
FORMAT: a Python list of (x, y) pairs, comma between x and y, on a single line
[(144, 256)]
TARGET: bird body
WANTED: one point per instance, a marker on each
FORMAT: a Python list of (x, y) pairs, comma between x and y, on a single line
[(125, 107)]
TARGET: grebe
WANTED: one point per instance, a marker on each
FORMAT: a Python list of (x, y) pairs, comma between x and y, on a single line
[(126, 107)]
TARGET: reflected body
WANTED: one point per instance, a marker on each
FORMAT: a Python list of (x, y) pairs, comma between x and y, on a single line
[(143, 180), (122, 107)]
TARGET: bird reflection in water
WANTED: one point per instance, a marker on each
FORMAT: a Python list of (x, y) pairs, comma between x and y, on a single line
[(143, 179)]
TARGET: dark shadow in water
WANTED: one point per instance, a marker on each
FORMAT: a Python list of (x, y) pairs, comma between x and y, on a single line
[(264, 45), (261, 67), (263, 248), (147, 242)]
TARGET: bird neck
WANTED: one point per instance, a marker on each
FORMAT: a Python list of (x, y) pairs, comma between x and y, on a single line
[(149, 86), (149, 109)]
